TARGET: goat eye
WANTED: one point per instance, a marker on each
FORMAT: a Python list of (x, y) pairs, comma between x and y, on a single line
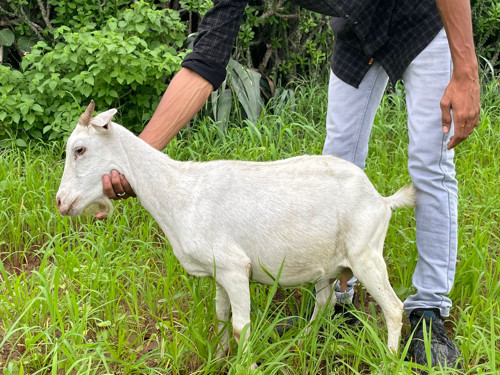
[(80, 150)]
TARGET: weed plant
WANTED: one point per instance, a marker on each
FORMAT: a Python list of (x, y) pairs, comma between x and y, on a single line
[(80, 296)]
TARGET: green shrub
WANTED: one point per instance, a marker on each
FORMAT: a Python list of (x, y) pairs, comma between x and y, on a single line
[(485, 18), (78, 13), (122, 55), (125, 64)]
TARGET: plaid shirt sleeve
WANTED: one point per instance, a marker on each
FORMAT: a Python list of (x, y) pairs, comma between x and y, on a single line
[(216, 37)]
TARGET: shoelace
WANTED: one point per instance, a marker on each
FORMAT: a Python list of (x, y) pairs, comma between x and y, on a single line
[(437, 330)]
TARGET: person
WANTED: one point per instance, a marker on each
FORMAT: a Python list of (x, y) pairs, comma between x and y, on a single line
[(374, 41)]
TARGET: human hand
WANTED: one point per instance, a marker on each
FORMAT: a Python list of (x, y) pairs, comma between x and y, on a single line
[(462, 98), (115, 186)]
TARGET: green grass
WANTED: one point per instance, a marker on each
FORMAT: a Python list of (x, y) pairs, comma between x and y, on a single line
[(80, 296)]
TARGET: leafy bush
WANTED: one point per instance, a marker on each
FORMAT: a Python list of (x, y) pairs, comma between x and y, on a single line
[(485, 18), (123, 55), (78, 13), (126, 63)]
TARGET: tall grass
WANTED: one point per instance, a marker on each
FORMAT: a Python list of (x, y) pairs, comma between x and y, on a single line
[(80, 296)]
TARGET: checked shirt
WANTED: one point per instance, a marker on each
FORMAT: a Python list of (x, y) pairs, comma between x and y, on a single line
[(391, 32)]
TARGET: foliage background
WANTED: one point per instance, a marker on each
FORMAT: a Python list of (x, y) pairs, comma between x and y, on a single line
[(57, 55), (122, 54)]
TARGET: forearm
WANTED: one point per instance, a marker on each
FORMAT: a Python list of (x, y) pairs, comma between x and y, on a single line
[(456, 16), (184, 97), (460, 100)]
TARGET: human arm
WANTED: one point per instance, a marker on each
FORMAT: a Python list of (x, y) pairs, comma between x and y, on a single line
[(184, 97), (462, 95)]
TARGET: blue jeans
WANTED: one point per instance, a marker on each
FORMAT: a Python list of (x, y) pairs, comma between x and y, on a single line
[(349, 121)]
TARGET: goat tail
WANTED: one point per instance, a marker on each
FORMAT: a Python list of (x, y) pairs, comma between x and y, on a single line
[(404, 197)]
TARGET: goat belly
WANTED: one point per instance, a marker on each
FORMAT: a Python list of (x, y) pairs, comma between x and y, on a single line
[(290, 276)]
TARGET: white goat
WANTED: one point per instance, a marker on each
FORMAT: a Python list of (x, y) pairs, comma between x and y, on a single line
[(240, 221)]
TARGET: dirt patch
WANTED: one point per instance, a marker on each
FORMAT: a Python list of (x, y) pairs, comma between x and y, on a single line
[(18, 265), (9, 353)]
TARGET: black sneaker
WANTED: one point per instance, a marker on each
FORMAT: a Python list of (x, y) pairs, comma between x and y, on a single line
[(346, 312), (444, 352), (286, 325), (343, 310)]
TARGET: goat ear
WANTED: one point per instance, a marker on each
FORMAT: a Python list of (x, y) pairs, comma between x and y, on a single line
[(103, 119)]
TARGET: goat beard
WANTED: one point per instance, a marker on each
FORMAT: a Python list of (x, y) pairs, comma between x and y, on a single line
[(101, 206)]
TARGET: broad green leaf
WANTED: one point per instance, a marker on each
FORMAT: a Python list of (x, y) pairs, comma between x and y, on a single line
[(140, 28), (16, 117), (16, 76), (112, 25), (36, 134), (221, 107), (30, 118), (246, 84), (6, 37), (86, 90), (89, 80), (24, 64), (37, 108), (25, 44), (24, 109), (21, 143), (52, 85)]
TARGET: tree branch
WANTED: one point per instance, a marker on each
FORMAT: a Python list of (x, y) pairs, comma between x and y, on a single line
[(45, 13), (37, 29), (265, 59)]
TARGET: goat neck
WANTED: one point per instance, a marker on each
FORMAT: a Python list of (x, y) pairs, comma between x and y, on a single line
[(155, 178)]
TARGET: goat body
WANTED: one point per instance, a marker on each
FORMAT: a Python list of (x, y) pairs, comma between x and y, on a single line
[(309, 216)]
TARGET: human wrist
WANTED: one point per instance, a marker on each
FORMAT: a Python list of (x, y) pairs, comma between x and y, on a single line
[(466, 71)]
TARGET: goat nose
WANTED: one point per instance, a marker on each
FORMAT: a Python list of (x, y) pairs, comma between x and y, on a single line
[(60, 206)]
